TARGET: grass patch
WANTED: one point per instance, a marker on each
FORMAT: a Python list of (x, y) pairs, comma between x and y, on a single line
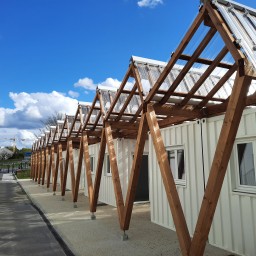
[(24, 174)]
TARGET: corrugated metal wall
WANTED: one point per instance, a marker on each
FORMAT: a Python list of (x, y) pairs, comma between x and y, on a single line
[(124, 153), (190, 194), (234, 224)]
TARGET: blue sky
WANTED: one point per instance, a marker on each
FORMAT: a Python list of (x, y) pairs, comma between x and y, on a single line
[(54, 52)]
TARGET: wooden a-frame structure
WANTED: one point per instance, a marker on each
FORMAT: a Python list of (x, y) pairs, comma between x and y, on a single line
[(170, 94)]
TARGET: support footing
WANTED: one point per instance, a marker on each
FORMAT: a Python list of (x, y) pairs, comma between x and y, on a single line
[(54, 193), (63, 198), (124, 237), (93, 217), (75, 205)]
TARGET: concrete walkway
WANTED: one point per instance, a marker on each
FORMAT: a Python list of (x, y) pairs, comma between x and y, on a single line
[(102, 236), (22, 230)]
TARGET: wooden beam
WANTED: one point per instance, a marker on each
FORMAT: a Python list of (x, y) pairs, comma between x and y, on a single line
[(124, 81), (127, 101), (224, 31), (169, 110), (124, 125), (135, 171), (205, 61), (205, 75), (188, 65), (219, 164), (216, 88), (96, 187), (173, 120), (169, 184), (197, 22), (114, 171), (138, 84)]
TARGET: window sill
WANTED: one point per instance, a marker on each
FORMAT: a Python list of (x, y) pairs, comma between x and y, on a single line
[(244, 192)]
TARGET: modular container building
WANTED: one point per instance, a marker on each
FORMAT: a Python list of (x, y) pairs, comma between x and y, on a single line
[(191, 148), (124, 153)]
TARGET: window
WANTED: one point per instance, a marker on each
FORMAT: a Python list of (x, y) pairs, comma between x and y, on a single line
[(107, 165), (92, 163), (177, 162), (246, 179)]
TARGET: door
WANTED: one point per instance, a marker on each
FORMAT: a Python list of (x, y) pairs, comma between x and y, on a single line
[(142, 191)]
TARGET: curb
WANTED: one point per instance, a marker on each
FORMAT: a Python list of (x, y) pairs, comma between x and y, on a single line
[(59, 239)]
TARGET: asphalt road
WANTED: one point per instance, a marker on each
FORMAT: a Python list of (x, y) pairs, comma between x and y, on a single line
[(22, 229)]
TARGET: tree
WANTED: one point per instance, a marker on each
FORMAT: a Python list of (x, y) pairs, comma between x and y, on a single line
[(50, 121), (5, 153)]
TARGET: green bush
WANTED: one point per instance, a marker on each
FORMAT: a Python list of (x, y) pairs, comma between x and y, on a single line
[(23, 174)]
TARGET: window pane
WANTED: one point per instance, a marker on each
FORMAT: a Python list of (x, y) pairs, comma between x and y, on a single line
[(108, 164), (91, 163), (246, 164), (181, 165), (171, 156)]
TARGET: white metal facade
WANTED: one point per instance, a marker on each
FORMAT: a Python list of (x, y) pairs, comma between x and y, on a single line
[(234, 224), (124, 152)]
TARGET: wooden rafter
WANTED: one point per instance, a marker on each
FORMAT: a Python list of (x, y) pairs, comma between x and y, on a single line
[(197, 22)]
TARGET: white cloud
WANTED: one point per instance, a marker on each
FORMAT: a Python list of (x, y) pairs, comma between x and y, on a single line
[(31, 108), (73, 94), (149, 3), (88, 84), (23, 138)]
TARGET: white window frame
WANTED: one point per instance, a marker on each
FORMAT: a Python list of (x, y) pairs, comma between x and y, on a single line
[(181, 182), (106, 159), (92, 163), (237, 186)]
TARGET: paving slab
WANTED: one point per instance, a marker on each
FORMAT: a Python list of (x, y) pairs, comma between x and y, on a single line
[(102, 237)]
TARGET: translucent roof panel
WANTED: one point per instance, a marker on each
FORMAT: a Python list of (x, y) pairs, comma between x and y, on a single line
[(242, 22)]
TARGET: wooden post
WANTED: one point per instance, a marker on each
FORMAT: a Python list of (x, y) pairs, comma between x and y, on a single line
[(169, 184), (50, 166), (115, 174), (32, 166), (134, 177), (79, 169), (55, 179), (43, 166), (46, 164), (39, 166), (64, 182), (61, 163), (94, 199), (36, 167), (87, 164), (220, 162), (71, 165)]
